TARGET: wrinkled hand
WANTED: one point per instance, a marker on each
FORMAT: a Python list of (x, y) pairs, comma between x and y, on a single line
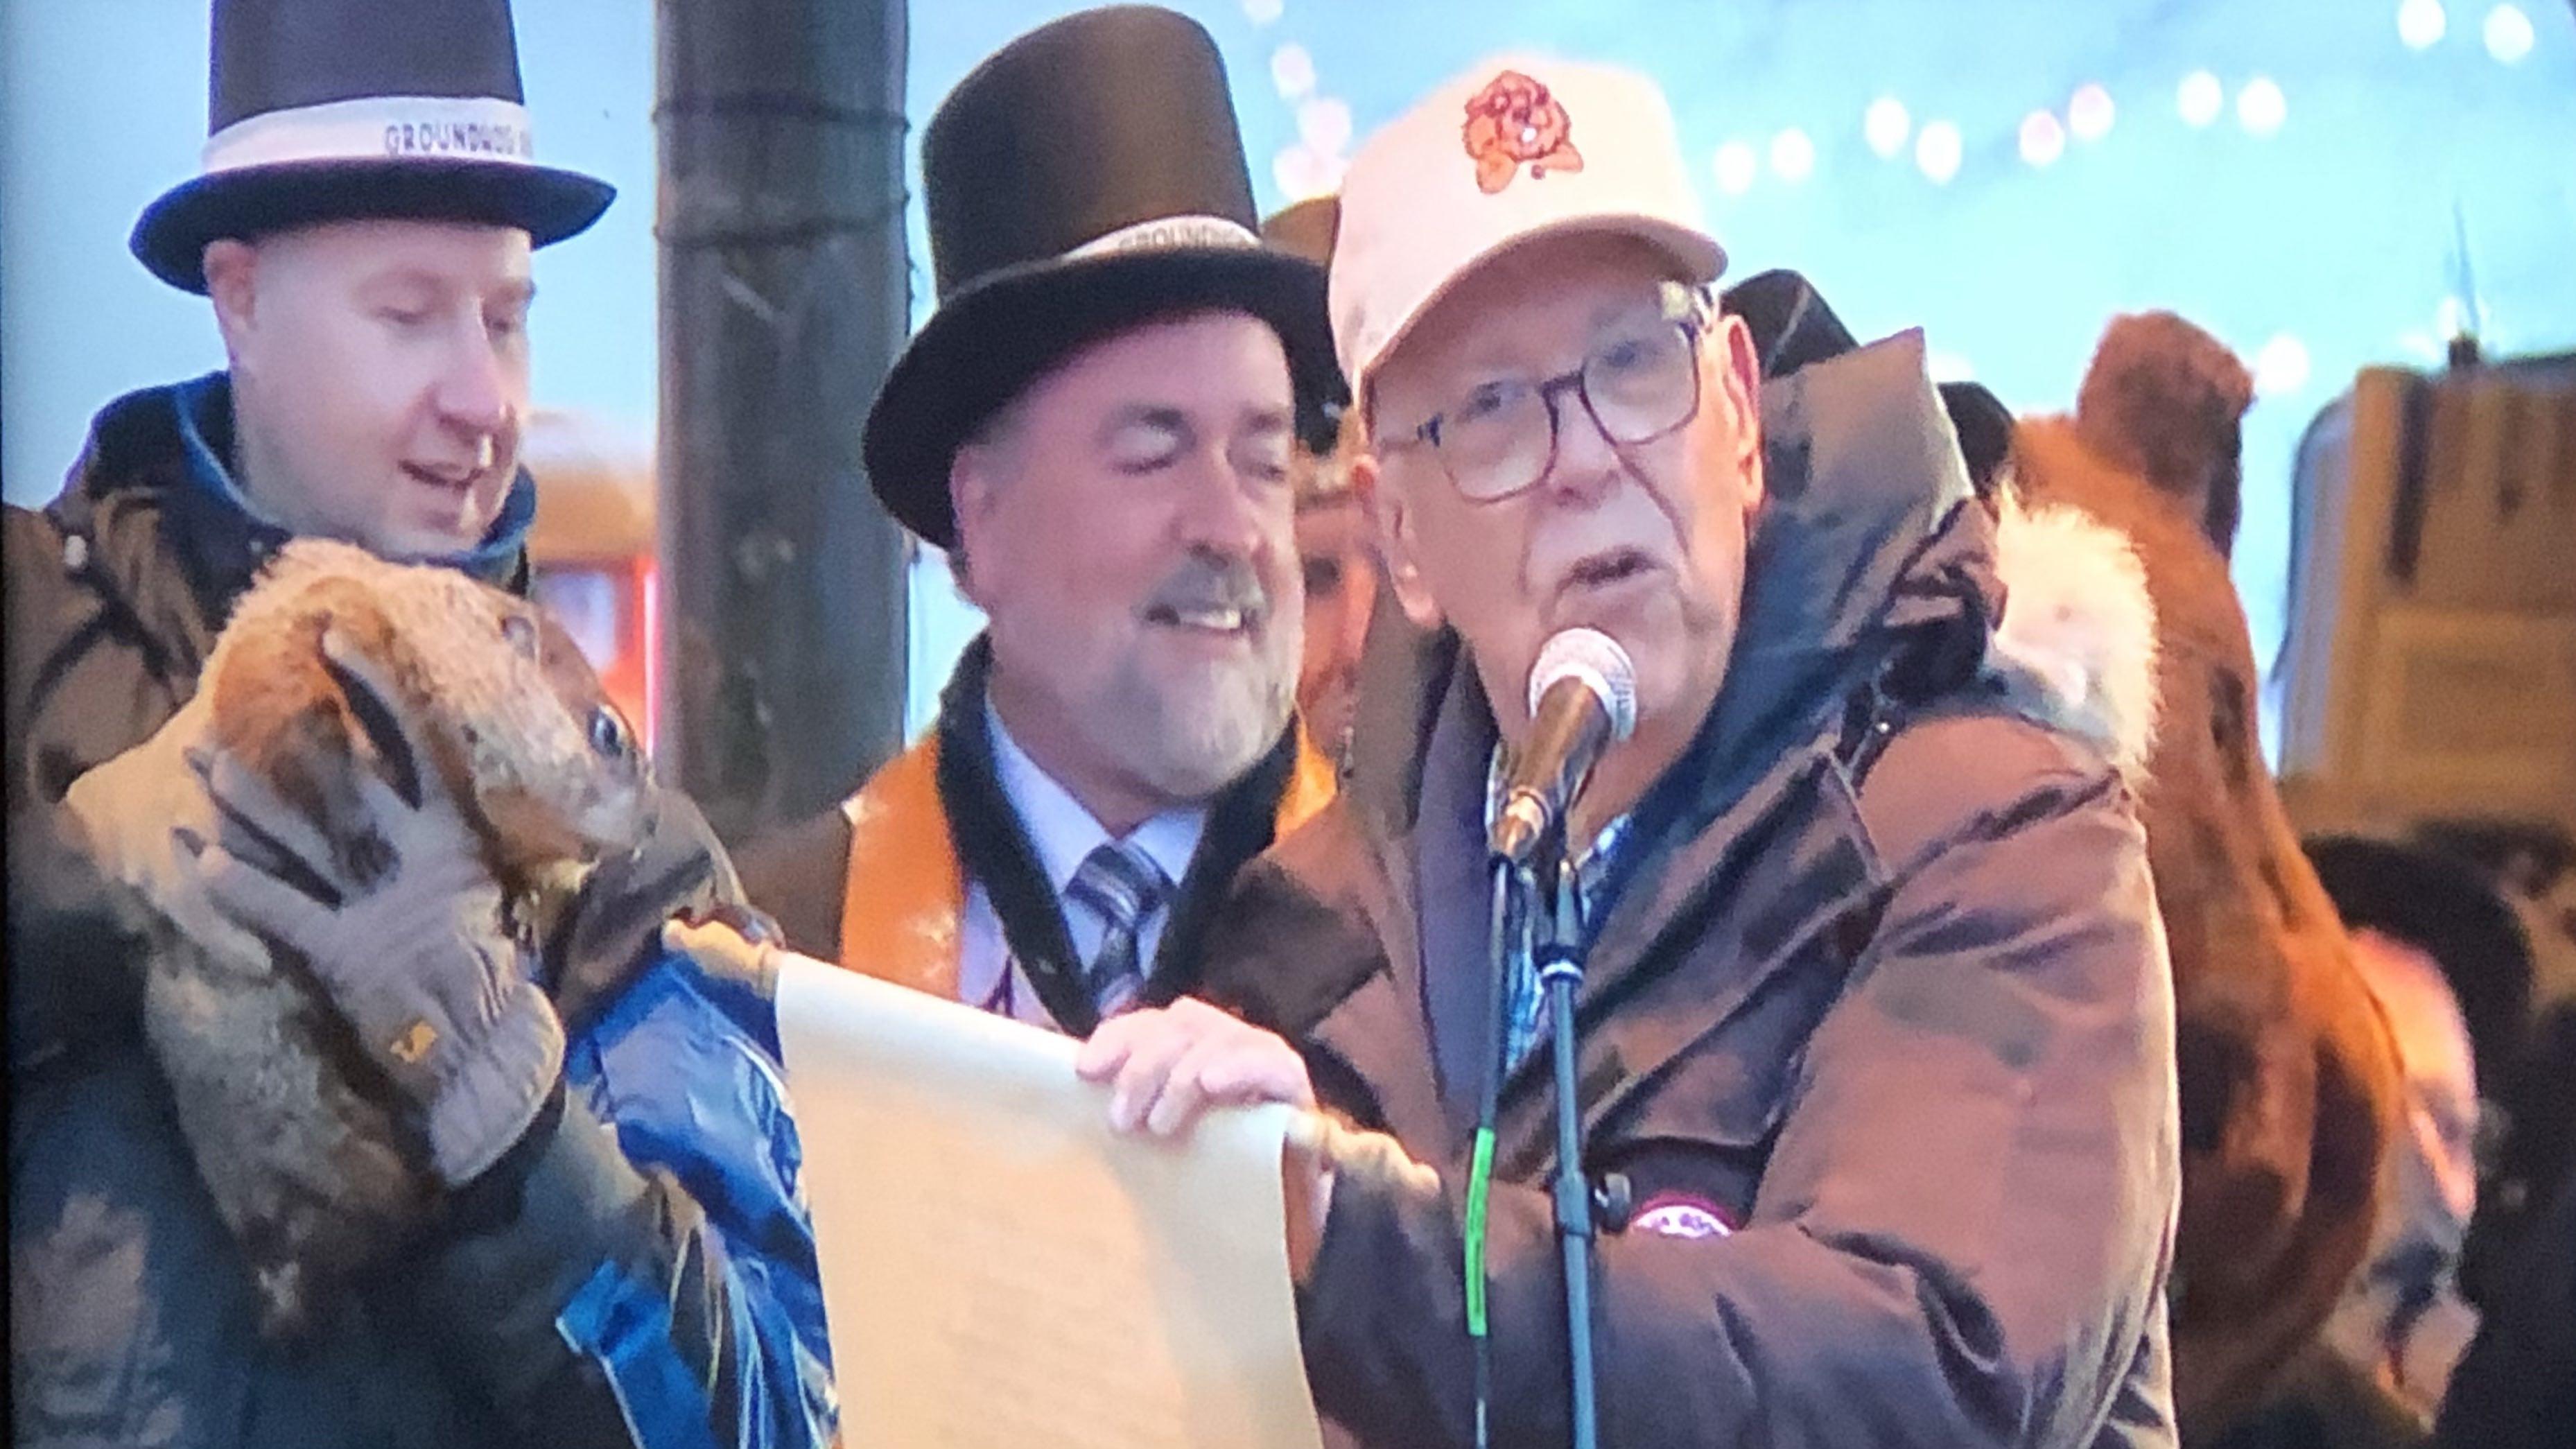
[(417, 956), (1165, 1066)]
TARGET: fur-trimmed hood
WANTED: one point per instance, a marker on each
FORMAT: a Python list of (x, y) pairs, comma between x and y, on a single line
[(2076, 646)]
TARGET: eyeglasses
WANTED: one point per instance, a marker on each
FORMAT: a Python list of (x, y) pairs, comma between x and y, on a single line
[(1641, 384)]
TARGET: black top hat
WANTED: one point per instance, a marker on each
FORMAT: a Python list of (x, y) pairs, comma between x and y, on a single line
[(327, 110), (1086, 178)]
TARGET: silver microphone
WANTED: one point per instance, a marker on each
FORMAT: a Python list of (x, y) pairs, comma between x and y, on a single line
[(1582, 700)]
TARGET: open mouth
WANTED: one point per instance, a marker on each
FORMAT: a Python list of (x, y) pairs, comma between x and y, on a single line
[(449, 480), (1222, 620), (1606, 569)]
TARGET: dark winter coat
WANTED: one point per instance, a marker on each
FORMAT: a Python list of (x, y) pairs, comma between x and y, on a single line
[(1877, 1026), (638, 1269), (2516, 1387)]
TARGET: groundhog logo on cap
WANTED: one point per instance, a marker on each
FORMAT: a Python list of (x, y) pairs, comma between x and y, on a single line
[(1514, 122)]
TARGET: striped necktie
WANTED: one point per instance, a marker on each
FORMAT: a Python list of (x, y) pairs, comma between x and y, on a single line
[(1123, 887)]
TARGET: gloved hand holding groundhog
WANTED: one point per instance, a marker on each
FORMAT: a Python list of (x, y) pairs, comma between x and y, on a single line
[(414, 951), (352, 838)]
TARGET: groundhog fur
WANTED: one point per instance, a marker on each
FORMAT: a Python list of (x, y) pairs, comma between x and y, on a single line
[(317, 1165)]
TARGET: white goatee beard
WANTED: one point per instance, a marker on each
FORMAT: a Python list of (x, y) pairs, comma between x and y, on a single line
[(1193, 741)]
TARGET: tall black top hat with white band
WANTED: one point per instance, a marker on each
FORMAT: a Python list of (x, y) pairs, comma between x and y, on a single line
[(1085, 179), (328, 110)]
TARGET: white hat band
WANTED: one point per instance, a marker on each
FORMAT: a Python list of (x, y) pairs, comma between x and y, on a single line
[(375, 128), (1169, 233)]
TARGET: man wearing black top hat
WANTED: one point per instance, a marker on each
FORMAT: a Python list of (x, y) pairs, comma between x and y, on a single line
[(618, 1252), (1097, 424)]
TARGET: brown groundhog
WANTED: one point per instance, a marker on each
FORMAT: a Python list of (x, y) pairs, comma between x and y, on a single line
[(316, 1163)]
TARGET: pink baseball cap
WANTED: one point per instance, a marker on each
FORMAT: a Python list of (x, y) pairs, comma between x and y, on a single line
[(1519, 147)]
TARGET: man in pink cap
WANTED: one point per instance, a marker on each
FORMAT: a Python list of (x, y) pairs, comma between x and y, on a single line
[(1875, 1041)]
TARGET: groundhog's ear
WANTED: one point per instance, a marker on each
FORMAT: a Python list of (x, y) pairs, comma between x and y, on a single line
[(521, 631)]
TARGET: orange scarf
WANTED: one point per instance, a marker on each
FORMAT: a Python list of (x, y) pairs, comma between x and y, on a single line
[(905, 896)]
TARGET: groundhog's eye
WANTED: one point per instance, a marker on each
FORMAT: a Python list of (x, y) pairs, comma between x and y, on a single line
[(608, 733)]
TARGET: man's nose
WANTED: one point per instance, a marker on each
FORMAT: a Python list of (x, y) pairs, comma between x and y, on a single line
[(473, 391), (1587, 465), (1225, 515)]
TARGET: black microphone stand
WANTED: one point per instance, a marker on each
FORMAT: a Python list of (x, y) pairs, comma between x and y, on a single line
[(1560, 976), (1537, 921), (1507, 948)]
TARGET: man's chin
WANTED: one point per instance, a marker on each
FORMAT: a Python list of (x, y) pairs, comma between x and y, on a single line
[(426, 521), (1211, 730), (1641, 613), (417, 540)]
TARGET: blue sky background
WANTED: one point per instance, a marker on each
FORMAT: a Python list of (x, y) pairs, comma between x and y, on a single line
[(2314, 221)]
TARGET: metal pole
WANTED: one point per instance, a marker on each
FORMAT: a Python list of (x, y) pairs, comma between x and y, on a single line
[(1561, 976), (784, 295)]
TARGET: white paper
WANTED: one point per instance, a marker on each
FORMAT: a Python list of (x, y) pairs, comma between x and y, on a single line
[(1000, 1269)]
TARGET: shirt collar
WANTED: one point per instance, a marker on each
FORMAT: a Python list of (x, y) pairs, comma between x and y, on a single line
[(1064, 833)]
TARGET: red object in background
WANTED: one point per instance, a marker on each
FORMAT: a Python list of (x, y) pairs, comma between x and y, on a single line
[(607, 607), (592, 556)]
